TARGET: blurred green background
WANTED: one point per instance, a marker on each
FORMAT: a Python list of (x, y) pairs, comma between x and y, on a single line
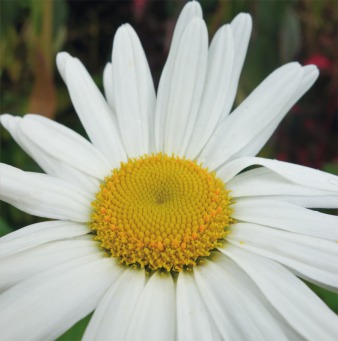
[(33, 31)]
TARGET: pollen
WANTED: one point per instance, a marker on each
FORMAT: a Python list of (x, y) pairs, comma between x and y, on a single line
[(161, 212)]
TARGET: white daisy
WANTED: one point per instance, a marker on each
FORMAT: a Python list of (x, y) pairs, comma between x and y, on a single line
[(155, 226)]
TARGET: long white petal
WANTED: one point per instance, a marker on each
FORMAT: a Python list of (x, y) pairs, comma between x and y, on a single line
[(39, 233), (217, 86), (262, 107), (239, 315), (241, 27), (15, 268), (193, 321), (252, 148), (43, 195), (93, 110), (225, 61), (266, 184), (108, 85), (111, 319), (46, 305), (315, 259), (301, 175), (48, 161), (287, 217), (185, 88), (290, 297), (190, 11), (134, 91), (154, 315)]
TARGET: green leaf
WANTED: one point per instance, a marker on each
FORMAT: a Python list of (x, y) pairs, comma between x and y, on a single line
[(76, 332)]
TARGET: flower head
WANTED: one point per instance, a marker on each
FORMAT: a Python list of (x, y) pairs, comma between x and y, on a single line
[(157, 225)]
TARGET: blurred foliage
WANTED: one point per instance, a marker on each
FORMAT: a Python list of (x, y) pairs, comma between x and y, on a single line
[(33, 31)]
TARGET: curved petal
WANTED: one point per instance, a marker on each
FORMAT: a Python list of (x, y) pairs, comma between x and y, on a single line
[(301, 175), (225, 61), (263, 106), (39, 233), (185, 88), (266, 184), (16, 268), (239, 315), (289, 296), (154, 314), (257, 142), (111, 319), (43, 195), (92, 109), (217, 86), (287, 217), (134, 92), (190, 11), (51, 164), (46, 305), (241, 27), (193, 321), (108, 85), (315, 259)]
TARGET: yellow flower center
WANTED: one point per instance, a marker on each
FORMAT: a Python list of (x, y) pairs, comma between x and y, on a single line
[(161, 212)]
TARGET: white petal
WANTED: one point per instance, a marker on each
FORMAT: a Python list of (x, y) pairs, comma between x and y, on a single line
[(299, 306), (287, 217), (253, 147), (15, 268), (111, 319), (71, 148), (266, 184), (315, 259), (46, 159), (108, 85), (241, 27), (134, 92), (93, 110), (239, 315), (217, 86), (301, 175), (58, 150), (186, 85), (154, 316), (262, 107), (39, 233), (190, 11), (45, 306), (193, 321), (43, 195)]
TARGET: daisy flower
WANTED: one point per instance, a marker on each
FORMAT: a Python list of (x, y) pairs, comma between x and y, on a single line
[(156, 224)]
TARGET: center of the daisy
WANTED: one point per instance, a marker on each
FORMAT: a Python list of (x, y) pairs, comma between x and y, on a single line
[(161, 212)]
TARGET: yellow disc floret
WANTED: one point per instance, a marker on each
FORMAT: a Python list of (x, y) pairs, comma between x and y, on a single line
[(161, 212)]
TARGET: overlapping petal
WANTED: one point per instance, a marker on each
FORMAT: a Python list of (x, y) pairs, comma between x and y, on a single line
[(189, 13), (111, 319), (50, 303), (289, 296), (225, 60), (154, 315), (257, 115), (93, 110), (43, 195), (39, 233), (285, 216), (269, 185), (194, 323), (26, 264), (134, 93), (312, 258)]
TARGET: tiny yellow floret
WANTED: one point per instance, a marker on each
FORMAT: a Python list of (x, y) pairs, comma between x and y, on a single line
[(161, 212)]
